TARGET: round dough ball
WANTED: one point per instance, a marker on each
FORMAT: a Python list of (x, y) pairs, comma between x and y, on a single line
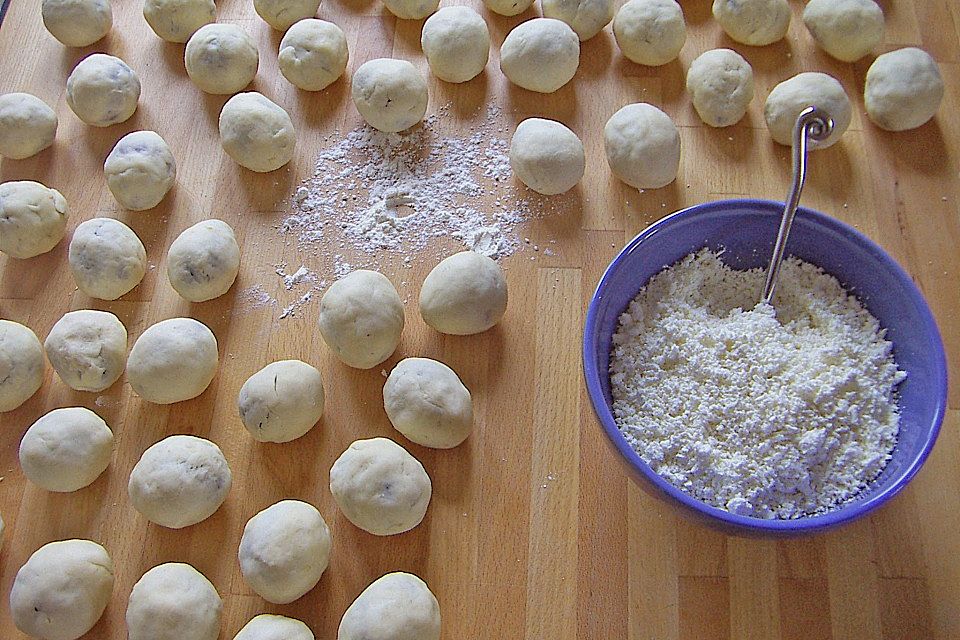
[(313, 54), (803, 90), (173, 601), (390, 95), (66, 449), (753, 22), (586, 17), (271, 627), (204, 260), (221, 58), (508, 7), (720, 82), (27, 125), (102, 90), (464, 294), (642, 146), (284, 550), (140, 170), (282, 14), (411, 9), (77, 23), (33, 218), (380, 487), (172, 361), (87, 349), (547, 156), (361, 318), (62, 590), (903, 89), (177, 20), (21, 364), (107, 258), (256, 132), (282, 401), (846, 29), (650, 32), (427, 403), (456, 42), (397, 606), (540, 55)]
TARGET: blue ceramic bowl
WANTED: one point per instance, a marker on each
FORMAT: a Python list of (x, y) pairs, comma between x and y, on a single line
[(746, 230)]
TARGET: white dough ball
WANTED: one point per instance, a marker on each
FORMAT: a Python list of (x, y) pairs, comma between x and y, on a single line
[(87, 349), (33, 218), (903, 89), (282, 401), (140, 170), (107, 258), (720, 82), (390, 95), (284, 550), (66, 449), (177, 20), (456, 42), (221, 58), (27, 125), (547, 156), (361, 318), (753, 22), (204, 260), (62, 590), (173, 601), (643, 146), (790, 97), (411, 9), (846, 29), (650, 32), (103, 90), (256, 132), (172, 361), (77, 23), (397, 606), (586, 17), (380, 487), (313, 54), (508, 7), (540, 55), (282, 14), (465, 294), (21, 364), (271, 627), (426, 402)]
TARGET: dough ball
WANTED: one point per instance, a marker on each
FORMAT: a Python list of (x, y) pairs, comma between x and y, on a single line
[(650, 32), (313, 54), (284, 551), (411, 9), (87, 349), (753, 22), (720, 82), (177, 20), (846, 29), (428, 404), (173, 601), (282, 401), (21, 364), (221, 58), (397, 606), (361, 318), (456, 42), (102, 90), (172, 361), (77, 23), (204, 260), (107, 258), (903, 89), (586, 17), (464, 294), (282, 14), (547, 156), (140, 170), (256, 132), (62, 590), (390, 95), (540, 55), (270, 627), (792, 96), (508, 7), (27, 125), (380, 487), (66, 449), (179, 481), (33, 218), (642, 146)]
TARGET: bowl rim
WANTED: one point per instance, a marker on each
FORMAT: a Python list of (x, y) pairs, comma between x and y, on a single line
[(721, 517)]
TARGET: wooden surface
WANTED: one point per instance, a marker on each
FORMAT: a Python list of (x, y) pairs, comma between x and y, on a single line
[(534, 530)]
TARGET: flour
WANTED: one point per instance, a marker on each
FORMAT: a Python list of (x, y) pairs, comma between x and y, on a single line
[(771, 412)]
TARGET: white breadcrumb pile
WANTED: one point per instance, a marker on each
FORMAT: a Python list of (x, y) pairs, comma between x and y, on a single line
[(767, 411)]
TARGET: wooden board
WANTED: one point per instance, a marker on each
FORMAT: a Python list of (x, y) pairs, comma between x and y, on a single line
[(534, 530)]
